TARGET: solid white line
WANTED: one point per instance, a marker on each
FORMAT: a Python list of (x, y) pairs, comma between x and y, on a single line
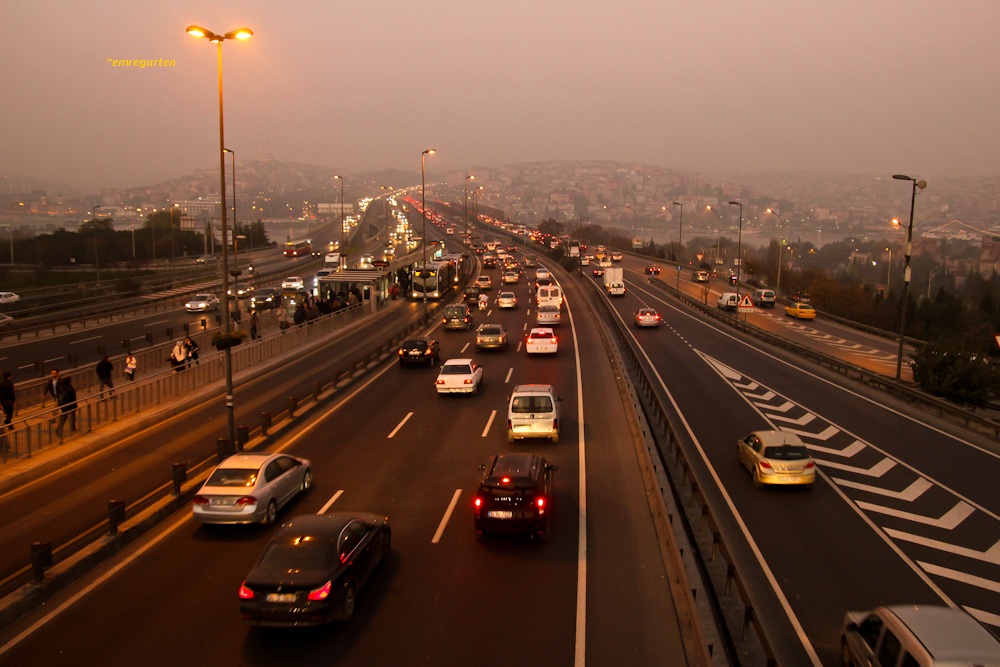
[(464, 348), (153, 324), (84, 340), (489, 422), (330, 502), (400, 424), (963, 577), (580, 655), (984, 616), (446, 517), (510, 371)]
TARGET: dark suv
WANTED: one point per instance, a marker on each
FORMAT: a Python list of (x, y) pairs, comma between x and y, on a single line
[(419, 351), (515, 496), (471, 294), (265, 299), (457, 316)]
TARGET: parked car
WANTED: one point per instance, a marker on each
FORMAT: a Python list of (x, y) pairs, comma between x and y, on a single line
[(647, 317), (312, 570), (514, 496), (541, 340), (800, 311), (423, 350), (916, 635), (201, 303), (251, 488), (491, 336), (776, 457), (459, 376)]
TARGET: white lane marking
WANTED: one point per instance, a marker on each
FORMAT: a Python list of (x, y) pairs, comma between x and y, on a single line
[(909, 494), (464, 348), (949, 520), (489, 422), (446, 517), (331, 501), (510, 371), (847, 452), (877, 470), (964, 577), (800, 421), (580, 654), (153, 324), (400, 424), (84, 340), (48, 361), (518, 346), (984, 616), (991, 555)]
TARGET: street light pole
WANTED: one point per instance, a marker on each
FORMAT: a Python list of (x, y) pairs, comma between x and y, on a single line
[(907, 253), (467, 179), (423, 213), (343, 223), (10, 223), (739, 250), (97, 261), (242, 33), (781, 245), (718, 238), (385, 211), (680, 230), (236, 223)]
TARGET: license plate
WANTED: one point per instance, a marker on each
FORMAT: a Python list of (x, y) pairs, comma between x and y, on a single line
[(414, 353), (500, 514), (223, 501), (281, 597)]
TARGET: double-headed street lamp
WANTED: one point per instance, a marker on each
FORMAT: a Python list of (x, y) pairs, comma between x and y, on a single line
[(241, 33), (467, 179), (907, 253), (739, 250), (343, 222), (680, 230), (781, 248), (718, 238)]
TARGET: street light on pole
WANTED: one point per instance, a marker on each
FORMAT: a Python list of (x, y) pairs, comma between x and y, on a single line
[(781, 247), (10, 223), (680, 230), (718, 238), (242, 33), (343, 222), (236, 223), (423, 213), (467, 179), (907, 253), (97, 261), (475, 202), (385, 211), (739, 250)]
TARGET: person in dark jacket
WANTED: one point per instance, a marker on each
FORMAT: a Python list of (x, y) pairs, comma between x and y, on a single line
[(67, 405), (7, 397), (104, 370)]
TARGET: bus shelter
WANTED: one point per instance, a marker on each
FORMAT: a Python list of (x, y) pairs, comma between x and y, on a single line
[(370, 285)]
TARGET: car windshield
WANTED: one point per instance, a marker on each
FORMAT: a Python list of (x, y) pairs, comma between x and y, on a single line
[(455, 369), (786, 453), (233, 477), (295, 552), (413, 345), (531, 404)]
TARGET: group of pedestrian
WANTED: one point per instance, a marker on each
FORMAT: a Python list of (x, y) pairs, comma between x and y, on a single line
[(184, 354)]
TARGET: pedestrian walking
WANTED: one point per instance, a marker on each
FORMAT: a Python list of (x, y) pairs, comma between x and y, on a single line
[(283, 320), (177, 357), (130, 366), (253, 326), (104, 370), (51, 388), (191, 351), (300, 313), (7, 397), (67, 405)]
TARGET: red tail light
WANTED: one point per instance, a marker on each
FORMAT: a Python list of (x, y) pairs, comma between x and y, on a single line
[(440, 382), (467, 381), (810, 465), (246, 593), (540, 502), (765, 464), (246, 500), (321, 593), (200, 500), (478, 502)]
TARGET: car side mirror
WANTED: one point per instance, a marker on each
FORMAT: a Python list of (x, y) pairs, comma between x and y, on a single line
[(552, 467)]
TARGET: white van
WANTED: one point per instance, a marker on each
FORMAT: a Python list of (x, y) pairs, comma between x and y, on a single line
[(729, 301), (533, 412), (549, 295)]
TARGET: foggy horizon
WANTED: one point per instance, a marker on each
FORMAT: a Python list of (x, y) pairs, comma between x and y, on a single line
[(779, 86)]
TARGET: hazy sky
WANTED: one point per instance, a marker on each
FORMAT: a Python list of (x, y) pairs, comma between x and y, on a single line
[(872, 86)]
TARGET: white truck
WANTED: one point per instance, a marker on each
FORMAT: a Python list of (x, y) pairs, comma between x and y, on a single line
[(332, 261), (614, 281)]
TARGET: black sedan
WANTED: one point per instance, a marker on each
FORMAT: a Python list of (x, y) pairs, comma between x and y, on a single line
[(312, 569)]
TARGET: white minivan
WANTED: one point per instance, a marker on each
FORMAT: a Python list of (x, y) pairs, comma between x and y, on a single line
[(533, 412), (729, 301), (549, 295)]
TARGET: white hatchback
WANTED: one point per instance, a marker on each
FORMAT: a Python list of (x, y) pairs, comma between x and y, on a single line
[(541, 340)]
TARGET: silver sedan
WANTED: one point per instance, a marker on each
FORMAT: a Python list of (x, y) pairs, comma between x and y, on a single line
[(251, 488)]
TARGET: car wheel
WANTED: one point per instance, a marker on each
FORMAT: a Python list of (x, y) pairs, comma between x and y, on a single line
[(307, 480), (510, 436), (350, 599), (757, 481), (271, 514)]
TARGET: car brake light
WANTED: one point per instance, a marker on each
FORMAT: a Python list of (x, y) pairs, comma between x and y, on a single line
[(478, 502), (200, 500), (246, 593), (467, 381), (540, 501), (810, 465), (440, 381), (555, 340), (246, 500), (765, 464), (321, 593), (505, 480)]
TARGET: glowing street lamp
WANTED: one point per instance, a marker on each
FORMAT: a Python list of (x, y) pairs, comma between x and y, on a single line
[(343, 221), (423, 212), (240, 33), (907, 253), (467, 179), (781, 247)]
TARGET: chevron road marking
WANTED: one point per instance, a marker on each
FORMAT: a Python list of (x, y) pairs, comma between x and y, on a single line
[(785, 407), (991, 555), (877, 470), (984, 616), (750, 386), (847, 452), (766, 396), (825, 434), (800, 421), (963, 577), (909, 494), (948, 520)]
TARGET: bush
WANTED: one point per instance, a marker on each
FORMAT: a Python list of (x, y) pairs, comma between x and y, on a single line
[(956, 375)]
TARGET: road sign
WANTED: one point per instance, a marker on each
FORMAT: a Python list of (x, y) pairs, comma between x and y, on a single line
[(746, 304), (699, 256)]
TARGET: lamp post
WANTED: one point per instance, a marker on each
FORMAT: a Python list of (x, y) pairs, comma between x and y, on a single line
[(475, 202), (907, 253), (386, 189), (467, 179), (680, 230), (781, 245), (423, 212), (739, 250), (242, 33), (718, 238), (236, 223), (343, 222), (888, 275), (10, 223), (97, 261)]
